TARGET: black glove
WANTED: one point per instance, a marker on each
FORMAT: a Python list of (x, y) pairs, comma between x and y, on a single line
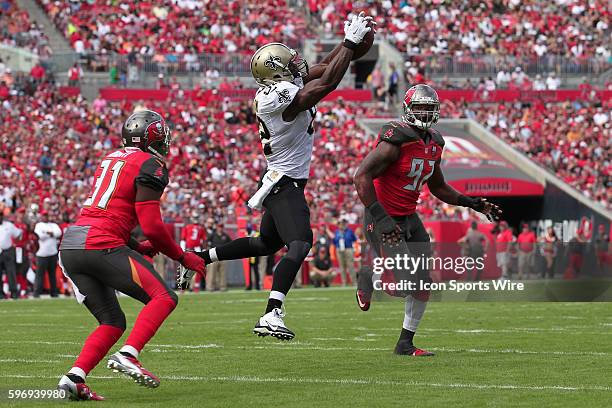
[(492, 211), (383, 223)]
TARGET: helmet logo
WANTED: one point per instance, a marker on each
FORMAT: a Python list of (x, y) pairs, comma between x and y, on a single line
[(283, 96), (272, 62)]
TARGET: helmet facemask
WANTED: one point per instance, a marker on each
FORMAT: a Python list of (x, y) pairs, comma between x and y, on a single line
[(421, 114)]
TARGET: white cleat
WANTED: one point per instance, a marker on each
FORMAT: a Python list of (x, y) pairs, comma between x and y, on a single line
[(272, 324), (132, 368), (77, 391)]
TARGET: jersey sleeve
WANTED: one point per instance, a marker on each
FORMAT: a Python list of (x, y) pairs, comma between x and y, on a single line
[(153, 174), (275, 98)]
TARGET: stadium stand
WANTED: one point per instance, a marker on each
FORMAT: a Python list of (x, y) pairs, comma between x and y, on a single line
[(175, 27), (17, 30)]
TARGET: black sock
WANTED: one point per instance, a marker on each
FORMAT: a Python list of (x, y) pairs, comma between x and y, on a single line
[(75, 378), (406, 335), (273, 304), (126, 354), (206, 256)]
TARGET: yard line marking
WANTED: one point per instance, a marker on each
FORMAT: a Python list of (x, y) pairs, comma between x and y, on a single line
[(350, 381), (310, 346), (25, 360)]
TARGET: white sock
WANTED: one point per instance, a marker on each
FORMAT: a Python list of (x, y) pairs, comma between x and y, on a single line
[(274, 294), (77, 371), (213, 255), (414, 312), (130, 350)]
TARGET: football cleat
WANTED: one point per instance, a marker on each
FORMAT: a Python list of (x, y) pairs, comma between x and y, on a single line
[(363, 299), (272, 324), (365, 287), (77, 391), (184, 277), (406, 348), (131, 367)]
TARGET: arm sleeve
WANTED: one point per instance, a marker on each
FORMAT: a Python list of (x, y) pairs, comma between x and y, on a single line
[(153, 174), (149, 217)]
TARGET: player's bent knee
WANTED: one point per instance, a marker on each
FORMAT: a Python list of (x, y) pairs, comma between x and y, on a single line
[(115, 319), (173, 297), (298, 250), (264, 246)]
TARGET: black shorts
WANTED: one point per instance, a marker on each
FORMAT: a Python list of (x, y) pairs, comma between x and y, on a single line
[(287, 216), (97, 273)]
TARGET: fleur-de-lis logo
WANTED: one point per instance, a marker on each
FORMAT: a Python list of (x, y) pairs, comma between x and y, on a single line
[(283, 96), (272, 61)]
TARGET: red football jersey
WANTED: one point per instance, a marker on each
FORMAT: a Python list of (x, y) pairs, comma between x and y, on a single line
[(109, 215), (193, 235), (399, 187)]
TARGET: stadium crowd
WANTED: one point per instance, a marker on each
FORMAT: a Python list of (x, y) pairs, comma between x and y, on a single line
[(532, 28), (51, 145), (174, 27), (17, 30)]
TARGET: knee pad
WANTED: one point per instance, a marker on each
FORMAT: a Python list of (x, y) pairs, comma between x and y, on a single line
[(298, 251)]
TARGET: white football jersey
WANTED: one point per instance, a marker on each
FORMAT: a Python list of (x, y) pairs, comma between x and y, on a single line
[(286, 145)]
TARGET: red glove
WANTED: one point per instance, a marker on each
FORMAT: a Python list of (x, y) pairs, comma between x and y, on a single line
[(193, 262), (147, 249)]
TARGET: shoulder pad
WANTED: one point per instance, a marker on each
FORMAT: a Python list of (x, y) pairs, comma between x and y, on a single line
[(153, 174), (397, 133), (436, 137), (276, 97)]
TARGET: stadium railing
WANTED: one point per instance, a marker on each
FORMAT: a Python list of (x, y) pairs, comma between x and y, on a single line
[(169, 64), (492, 64)]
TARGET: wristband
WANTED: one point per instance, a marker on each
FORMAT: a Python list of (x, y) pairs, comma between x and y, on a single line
[(349, 44)]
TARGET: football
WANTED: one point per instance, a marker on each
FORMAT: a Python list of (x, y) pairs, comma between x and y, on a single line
[(364, 46)]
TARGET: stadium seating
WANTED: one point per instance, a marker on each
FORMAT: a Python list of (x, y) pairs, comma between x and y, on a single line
[(577, 29), (174, 27), (17, 30)]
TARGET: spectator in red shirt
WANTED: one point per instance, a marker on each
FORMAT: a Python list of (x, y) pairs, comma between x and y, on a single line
[(37, 73), (503, 240), (526, 246)]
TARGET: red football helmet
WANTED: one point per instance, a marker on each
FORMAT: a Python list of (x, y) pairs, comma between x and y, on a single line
[(147, 130), (421, 106)]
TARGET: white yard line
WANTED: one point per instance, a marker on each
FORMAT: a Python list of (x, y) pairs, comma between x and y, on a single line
[(310, 346), (349, 381)]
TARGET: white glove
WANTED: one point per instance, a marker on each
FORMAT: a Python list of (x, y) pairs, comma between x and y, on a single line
[(357, 28)]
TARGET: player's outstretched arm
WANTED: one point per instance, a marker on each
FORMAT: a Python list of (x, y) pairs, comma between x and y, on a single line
[(317, 71), (149, 217), (375, 163), (442, 190), (317, 89)]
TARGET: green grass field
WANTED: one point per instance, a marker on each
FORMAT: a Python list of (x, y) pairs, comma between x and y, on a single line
[(488, 354)]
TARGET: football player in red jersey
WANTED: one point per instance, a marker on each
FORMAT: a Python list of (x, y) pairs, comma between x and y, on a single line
[(389, 181), (99, 257), (193, 238)]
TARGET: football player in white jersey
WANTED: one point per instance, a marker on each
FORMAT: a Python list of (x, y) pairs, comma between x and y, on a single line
[(285, 105)]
